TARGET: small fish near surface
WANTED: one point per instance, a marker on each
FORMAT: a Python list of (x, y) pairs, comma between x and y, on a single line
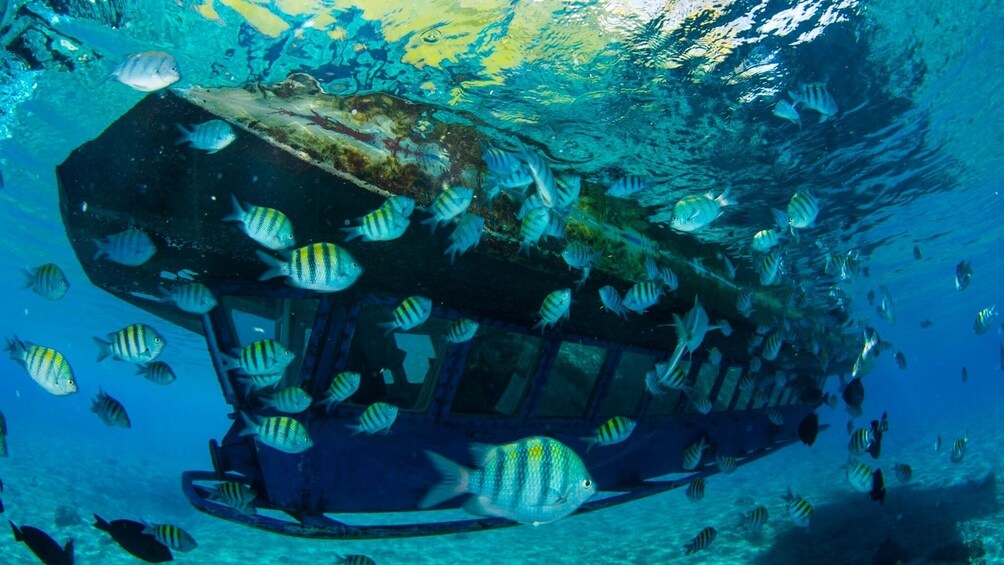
[(377, 418), (692, 213), (283, 433), (44, 365), (321, 267), (48, 281), (507, 481), (135, 343), (984, 319), (3, 446), (110, 411), (157, 372), (613, 431), (816, 97), (963, 274), (130, 535), (148, 71), (702, 540), (786, 111), (131, 248), (799, 509), (267, 226), (210, 136), (916, 253), (627, 186), (43, 546)]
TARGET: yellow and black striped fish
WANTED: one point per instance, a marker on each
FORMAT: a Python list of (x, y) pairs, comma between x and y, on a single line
[(859, 475), (353, 560), (959, 448), (702, 540), (261, 358), (44, 365), (290, 400), (172, 536), (727, 464), (410, 314), (344, 385), (903, 472), (157, 372), (775, 416), (695, 490), (614, 430), (462, 330), (194, 298), (984, 319), (382, 224), (378, 417), (48, 281), (535, 480), (136, 343), (799, 510), (267, 226), (554, 308), (110, 411), (279, 432), (803, 208), (642, 295), (322, 267), (239, 496), (449, 204), (692, 454), (861, 440), (755, 519)]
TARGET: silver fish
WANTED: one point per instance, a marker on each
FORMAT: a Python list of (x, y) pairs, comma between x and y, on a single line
[(816, 97), (210, 136), (784, 110), (131, 248), (692, 213), (148, 71), (465, 236), (626, 186)]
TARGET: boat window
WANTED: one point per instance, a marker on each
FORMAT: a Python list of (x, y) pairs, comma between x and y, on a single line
[(665, 404), (775, 395), (398, 368), (499, 367), (570, 385), (785, 398), (628, 387), (726, 392), (706, 376), (743, 395), (286, 320)]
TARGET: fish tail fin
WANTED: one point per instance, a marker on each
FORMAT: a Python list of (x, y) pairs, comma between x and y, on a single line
[(104, 348), (237, 213), (229, 363), (388, 327), (452, 252), (186, 134), (18, 536), (328, 403), (590, 442), (794, 234), (432, 222), (723, 199), (29, 279), (102, 249), (275, 266), (454, 482), (250, 426), (68, 550), (100, 524), (352, 233)]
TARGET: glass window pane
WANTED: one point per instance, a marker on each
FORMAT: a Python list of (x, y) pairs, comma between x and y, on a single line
[(665, 404), (400, 368), (726, 392), (775, 395), (745, 395), (761, 396), (570, 385), (628, 387), (498, 369), (705, 383)]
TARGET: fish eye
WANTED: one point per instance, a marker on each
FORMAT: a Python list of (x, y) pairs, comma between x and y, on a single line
[(587, 483), (156, 340)]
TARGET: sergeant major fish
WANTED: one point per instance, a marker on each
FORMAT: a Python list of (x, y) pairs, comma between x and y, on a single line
[(131, 248), (702, 540), (465, 236), (578, 255), (110, 411), (963, 274), (283, 433), (262, 357), (210, 136), (322, 267), (692, 213), (343, 386), (784, 110), (627, 186), (148, 71), (382, 224), (377, 418), (410, 314), (554, 308), (693, 453), (157, 372), (695, 490), (462, 330), (267, 226), (799, 509), (48, 281), (44, 365), (613, 431), (642, 295), (172, 536), (194, 298), (290, 400), (136, 343), (535, 480), (984, 319), (612, 301), (816, 97), (450, 203), (532, 229)]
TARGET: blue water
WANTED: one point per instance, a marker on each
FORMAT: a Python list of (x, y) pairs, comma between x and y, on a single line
[(913, 158)]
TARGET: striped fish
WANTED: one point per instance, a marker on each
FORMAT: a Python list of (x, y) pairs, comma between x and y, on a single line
[(665, 377), (859, 475), (799, 510), (861, 440), (3, 435), (700, 402), (410, 314), (48, 281), (578, 255), (499, 162), (535, 480), (532, 229), (784, 110), (171, 536), (692, 213), (530, 203), (775, 416), (466, 236), (803, 208), (963, 274), (554, 308), (612, 302), (378, 417), (514, 183), (462, 330), (755, 519), (267, 226), (344, 385), (323, 267), (44, 365), (278, 432), (765, 240), (904, 473), (568, 188), (746, 382), (984, 319), (131, 248), (148, 71), (353, 560), (642, 295), (693, 453), (695, 490), (744, 303), (382, 224), (402, 205), (816, 97), (702, 540), (770, 268), (725, 327), (715, 356), (157, 372), (547, 189), (110, 411), (290, 400), (136, 343), (239, 496), (726, 464), (626, 186), (614, 430), (959, 448), (771, 346), (194, 298), (208, 136), (262, 357), (451, 203)]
